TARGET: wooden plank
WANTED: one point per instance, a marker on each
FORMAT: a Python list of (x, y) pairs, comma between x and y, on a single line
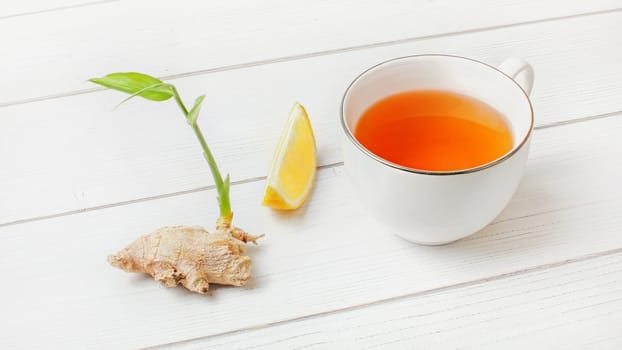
[(10, 9), (54, 53), (74, 153), (575, 306), (325, 257)]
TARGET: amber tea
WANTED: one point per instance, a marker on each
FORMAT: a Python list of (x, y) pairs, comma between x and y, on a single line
[(434, 131)]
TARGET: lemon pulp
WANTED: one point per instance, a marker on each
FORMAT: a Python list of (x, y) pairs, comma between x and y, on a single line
[(294, 164)]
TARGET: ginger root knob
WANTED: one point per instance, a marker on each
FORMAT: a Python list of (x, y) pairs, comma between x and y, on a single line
[(190, 256)]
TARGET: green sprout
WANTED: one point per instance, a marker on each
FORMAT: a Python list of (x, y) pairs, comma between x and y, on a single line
[(143, 85)]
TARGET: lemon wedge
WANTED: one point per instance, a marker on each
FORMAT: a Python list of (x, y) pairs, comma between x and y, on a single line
[(294, 165)]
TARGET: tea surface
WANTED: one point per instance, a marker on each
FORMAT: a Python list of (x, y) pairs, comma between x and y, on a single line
[(434, 130)]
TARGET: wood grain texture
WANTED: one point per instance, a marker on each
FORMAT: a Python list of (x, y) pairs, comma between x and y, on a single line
[(575, 306), (54, 52), (323, 258), (12, 9), (74, 153)]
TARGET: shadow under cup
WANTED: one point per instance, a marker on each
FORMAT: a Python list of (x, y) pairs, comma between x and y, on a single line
[(435, 207)]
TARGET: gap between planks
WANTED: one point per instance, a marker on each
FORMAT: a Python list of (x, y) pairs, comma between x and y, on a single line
[(252, 179), (427, 292), (301, 56), (60, 8)]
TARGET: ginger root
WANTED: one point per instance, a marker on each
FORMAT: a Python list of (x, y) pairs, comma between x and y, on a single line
[(185, 255), (190, 256)]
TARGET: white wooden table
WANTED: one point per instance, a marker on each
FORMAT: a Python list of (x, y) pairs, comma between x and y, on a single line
[(79, 181)]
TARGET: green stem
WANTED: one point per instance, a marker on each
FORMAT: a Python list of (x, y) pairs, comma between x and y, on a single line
[(223, 189), (180, 103)]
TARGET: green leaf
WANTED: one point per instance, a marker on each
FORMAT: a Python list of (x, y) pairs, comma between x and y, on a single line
[(224, 199), (194, 112), (137, 93), (140, 84)]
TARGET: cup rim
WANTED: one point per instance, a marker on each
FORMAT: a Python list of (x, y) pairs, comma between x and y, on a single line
[(367, 152)]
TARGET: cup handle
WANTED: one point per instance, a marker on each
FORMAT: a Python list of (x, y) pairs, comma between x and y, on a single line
[(520, 71)]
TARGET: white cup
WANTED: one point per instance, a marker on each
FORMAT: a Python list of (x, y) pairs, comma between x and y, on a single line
[(438, 207)]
